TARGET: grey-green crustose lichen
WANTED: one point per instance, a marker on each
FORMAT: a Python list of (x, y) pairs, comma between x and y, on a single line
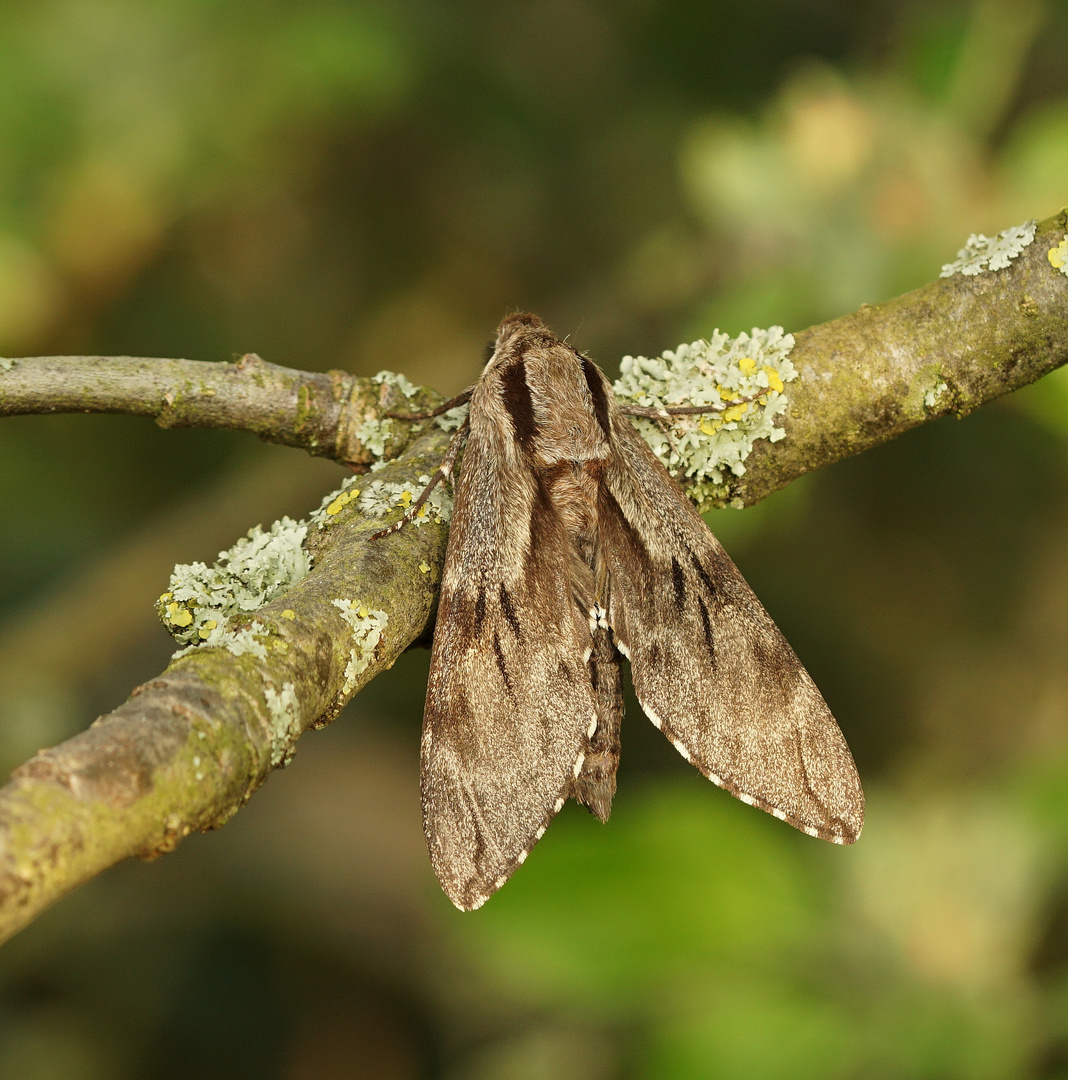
[(205, 605), (335, 502), (706, 449), (380, 497), (395, 378), (376, 498)]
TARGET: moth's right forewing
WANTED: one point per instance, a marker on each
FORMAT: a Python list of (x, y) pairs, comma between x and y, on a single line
[(710, 667), (509, 701)]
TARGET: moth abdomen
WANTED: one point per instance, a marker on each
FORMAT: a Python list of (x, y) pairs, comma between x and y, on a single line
[(595, 785)]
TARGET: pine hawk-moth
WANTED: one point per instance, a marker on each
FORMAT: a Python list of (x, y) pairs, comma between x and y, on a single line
[(571, 545)]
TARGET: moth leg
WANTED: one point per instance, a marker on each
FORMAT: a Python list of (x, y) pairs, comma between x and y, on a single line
[(596, 782), (453, 403), (665, 426), (689, 410), (443, 473)]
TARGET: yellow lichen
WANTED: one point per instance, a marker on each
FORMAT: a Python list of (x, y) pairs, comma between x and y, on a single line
[(289, 613), (342, 501), (424, 568), (1058, 256), (747, 364), (774, 381), (179, 615)]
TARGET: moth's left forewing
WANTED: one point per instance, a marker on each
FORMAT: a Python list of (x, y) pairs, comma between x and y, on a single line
[(709, 666)]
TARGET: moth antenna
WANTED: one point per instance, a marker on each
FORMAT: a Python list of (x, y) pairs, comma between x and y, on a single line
[(444, 472), (461, 399)]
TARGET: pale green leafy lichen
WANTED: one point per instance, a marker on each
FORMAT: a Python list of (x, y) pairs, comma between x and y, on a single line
[(6, 363), (381, 496), (239, 642), (202, 601), (367, 625), (705, 449), (452, 419), (990, 252), (375, 435), (283, 709), (930, 399), (401, 382)]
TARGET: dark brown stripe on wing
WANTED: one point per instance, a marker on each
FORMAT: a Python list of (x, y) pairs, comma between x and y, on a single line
[(508, 610), (678, 581), (597, 392), (706, 623), (703, 574), (518, 403), (499, 653), (480, 610)]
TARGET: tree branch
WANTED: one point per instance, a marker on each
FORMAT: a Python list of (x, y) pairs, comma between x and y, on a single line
[(865, 377), (323, 414), (187, 749)]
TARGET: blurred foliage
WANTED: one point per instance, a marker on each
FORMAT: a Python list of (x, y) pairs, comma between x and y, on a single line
[(367, 185)]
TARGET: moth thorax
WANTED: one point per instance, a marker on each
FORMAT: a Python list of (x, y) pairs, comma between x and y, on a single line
[(572, 487)]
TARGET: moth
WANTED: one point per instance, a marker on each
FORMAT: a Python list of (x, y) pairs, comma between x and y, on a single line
[(571, 545)]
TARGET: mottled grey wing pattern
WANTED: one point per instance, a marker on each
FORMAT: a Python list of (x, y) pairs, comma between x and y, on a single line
[(709, 666), (509, 703)]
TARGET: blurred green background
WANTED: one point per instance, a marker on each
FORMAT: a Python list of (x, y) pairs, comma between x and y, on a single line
[(369, 185)]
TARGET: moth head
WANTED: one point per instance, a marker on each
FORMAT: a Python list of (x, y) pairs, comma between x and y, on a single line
[(513, 325)]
